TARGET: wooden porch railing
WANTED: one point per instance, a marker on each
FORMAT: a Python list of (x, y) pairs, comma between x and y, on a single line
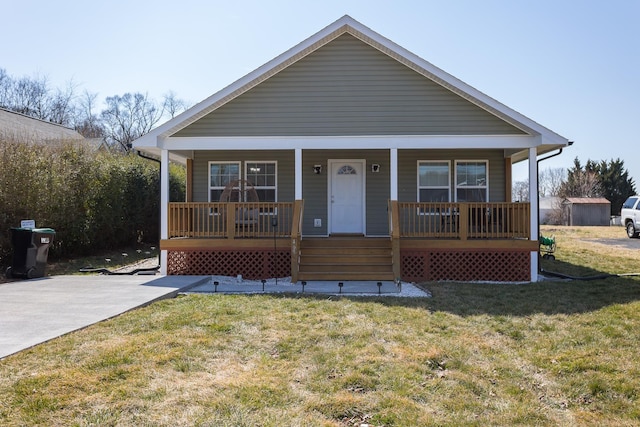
[(230, 220), (296, 237), (394, 233), (496, 220)]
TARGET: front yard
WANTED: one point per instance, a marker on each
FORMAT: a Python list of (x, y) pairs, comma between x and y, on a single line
[(549, 353)]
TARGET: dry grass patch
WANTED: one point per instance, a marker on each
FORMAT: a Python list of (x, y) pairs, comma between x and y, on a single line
[(550, 353)]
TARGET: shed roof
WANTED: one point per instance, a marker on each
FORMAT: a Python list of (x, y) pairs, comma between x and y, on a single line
[(587, 200)]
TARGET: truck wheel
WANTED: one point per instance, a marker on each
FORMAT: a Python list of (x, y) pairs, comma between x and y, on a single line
[(631, 231), (31, 273), (9, 273)]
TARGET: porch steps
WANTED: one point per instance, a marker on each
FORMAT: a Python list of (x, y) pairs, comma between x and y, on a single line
[(345, 258)]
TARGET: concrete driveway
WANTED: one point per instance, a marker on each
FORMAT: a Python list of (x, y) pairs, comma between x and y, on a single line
[(37, 310)]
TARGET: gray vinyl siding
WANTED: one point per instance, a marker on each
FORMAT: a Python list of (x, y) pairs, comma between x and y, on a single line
[(315, 189), (285, 172), (408, 172), (348, 88)]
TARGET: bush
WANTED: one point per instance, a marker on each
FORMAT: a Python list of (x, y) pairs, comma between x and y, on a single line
[(94, 201)]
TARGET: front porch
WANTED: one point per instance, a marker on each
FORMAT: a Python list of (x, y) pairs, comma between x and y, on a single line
[(426, 241)]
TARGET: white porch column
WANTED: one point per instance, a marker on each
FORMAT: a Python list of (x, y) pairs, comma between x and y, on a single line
[(533, 201), (393, 170), (164, 206), (298, 173)]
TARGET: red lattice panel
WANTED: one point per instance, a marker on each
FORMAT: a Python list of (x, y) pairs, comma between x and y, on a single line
[(251, 264), (466, 266)]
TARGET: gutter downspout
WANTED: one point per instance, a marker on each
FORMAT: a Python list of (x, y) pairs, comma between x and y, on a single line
[(538, 192), (144, 156)]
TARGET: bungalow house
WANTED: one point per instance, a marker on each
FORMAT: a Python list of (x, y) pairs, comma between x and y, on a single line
[(348, 157)]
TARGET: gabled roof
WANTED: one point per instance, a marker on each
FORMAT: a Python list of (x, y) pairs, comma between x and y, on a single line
[(587, 201), (17, 125), (347, 25)]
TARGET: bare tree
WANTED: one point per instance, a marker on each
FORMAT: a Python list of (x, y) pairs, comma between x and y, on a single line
[(6, 82), (520, 191), (172, 105), (128, 117), (61, 108), (29, 96), (550, 181), (88, 123)]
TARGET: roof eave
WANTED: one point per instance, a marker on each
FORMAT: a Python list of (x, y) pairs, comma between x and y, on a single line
[(345, 25)]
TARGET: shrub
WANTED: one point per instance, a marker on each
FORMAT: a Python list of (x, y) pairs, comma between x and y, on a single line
[(94, 201)]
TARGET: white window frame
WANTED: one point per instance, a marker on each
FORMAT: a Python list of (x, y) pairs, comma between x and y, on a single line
[(435, 187), (478, 187), (263, 187), (210, 187)]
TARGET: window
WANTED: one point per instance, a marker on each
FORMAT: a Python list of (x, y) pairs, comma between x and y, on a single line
[(434, 181), (262, 175), (472, 184), (221, 174), (347, 170)]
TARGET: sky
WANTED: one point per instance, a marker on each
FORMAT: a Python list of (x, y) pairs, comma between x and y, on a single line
[(572, 66)]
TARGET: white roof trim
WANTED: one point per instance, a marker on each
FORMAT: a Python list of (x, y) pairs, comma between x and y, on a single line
[(520, 142), (347, 25)]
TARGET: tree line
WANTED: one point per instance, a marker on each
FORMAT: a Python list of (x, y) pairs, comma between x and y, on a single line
[(93, 200), (608, 179), (123, 118)]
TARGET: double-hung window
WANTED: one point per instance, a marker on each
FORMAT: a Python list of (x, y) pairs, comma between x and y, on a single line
[(262, 175), (220, 175), (434, 181), (472, 181)]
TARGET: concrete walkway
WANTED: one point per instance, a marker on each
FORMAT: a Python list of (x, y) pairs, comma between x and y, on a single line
[(35, 311), (38, 310), (228, 285)]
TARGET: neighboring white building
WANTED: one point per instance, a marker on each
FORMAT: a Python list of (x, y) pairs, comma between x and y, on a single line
[(547, 207)]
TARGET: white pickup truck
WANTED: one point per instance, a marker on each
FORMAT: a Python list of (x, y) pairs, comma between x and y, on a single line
[(630, 216)]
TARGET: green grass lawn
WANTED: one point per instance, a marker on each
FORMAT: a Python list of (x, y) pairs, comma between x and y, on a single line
[(549, 353)]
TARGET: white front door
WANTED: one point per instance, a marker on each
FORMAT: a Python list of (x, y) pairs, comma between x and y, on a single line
[(346, 196)]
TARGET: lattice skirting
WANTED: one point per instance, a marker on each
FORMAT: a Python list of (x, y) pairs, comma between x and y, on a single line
[(466, 265), (250, 263)]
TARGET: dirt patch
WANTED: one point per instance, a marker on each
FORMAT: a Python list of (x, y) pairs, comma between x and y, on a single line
[(623, 243)]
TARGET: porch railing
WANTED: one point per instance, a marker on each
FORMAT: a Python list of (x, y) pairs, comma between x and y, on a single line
[(496, 220), (296, 238), (230, 220)]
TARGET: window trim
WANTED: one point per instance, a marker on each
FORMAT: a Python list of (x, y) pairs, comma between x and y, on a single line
[(419, 187), (455, 178), (265, 187), (210, 187)]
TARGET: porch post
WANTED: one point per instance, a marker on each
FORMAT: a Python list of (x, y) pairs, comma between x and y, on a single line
[(298, 172), (393, 170), (164, 206), (533, 203)]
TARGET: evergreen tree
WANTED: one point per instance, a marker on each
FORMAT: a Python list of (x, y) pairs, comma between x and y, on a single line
[(599, 179), (582, 181), (615, 182)]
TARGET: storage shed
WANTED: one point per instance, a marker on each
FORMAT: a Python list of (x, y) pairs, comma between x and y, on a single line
[(587, 210)]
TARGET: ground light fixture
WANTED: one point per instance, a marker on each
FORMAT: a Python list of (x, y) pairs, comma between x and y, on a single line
[(340, 285), (303, 285), (379, 288), (215, 286)]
